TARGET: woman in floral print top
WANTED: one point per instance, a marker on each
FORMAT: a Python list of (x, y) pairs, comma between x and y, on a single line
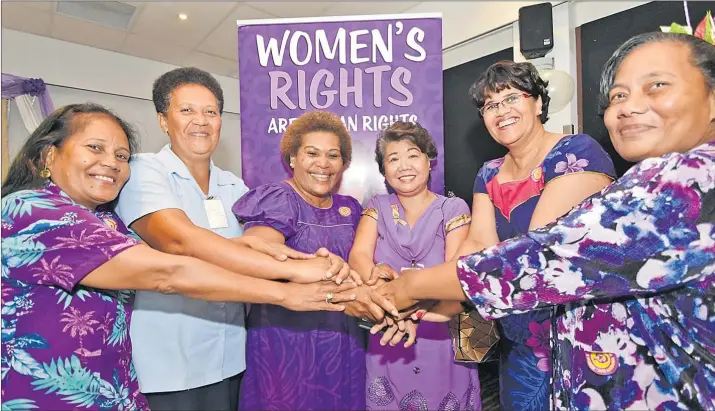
[(632, 269), (68, 265)]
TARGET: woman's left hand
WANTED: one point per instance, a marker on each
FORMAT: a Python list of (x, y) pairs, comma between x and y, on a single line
[(396, 331), (339, 270), (280, 252)]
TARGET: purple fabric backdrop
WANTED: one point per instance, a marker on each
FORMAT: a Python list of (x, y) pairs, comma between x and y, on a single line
[(400, 65), (13, 86)]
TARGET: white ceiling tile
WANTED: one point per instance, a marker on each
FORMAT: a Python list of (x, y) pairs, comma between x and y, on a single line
[(161, 20), (16, 16), (292, 8), (353, 8), (212, 64), (87, 33), (46, 6), (153, 49), (223, 41)]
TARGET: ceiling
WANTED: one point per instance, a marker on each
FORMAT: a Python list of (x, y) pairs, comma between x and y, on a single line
[(206, 39)]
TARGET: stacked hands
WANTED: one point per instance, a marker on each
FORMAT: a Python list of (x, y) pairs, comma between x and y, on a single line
[(325, 282)]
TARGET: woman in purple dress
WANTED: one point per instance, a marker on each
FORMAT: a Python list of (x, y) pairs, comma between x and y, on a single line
[(306, 361), (413, 227), (68, 263), (542, 177)]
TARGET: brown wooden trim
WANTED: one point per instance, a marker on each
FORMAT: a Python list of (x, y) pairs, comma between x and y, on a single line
[(5, 148), (579, 72)]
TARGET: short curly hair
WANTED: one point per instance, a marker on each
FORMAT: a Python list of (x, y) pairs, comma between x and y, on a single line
[(315, 121), (171, 80), (505, 73), (402, 130)]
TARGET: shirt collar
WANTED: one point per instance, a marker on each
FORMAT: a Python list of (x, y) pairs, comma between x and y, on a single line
[(174, 165)]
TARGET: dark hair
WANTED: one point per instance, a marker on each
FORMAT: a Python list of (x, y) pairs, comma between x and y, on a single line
[(521, 76), (315, 121), (702, 56), (402, 130), (24, 172), (171, 80)]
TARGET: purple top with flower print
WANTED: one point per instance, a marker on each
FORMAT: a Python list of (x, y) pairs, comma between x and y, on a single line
[(64, 346), (633, 272)]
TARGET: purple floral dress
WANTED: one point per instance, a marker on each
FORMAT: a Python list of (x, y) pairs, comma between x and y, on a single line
[(302, 360), (64, 346), (524, 364), (632, 272)]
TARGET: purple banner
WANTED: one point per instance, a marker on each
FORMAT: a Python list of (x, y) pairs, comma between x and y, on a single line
[(369, 72)]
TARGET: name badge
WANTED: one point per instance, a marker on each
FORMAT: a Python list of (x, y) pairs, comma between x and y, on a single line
[(215, 213)]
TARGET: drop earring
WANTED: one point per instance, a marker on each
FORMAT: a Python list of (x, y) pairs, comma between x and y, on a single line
[(45, 173)]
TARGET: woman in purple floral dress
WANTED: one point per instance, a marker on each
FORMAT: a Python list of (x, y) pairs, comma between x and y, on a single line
[(631, 271), (542, 177), (68, 265)]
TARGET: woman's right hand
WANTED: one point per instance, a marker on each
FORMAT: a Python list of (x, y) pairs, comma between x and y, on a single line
[(382, 272), (321, 269), (320, 296)]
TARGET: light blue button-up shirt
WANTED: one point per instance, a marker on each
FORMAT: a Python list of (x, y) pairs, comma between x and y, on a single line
[(179, 342)]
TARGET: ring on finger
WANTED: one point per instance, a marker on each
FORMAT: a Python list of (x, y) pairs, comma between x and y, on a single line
[(329, 298)]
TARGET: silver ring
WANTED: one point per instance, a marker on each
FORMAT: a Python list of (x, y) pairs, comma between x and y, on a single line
[(329, 298)]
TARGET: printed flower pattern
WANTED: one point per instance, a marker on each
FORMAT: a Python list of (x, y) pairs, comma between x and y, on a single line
[(64, 346), (571, 165), (634, 270)]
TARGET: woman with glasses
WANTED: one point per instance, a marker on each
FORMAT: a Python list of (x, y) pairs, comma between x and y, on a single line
[(541, 178)]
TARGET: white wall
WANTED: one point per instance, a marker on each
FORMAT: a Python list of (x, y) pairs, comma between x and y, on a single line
[(88, 68), (122, 83)]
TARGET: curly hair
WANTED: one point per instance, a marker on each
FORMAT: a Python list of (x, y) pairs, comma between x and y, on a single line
[(403, 130), (315, 121), (171, 80), (520, 76)]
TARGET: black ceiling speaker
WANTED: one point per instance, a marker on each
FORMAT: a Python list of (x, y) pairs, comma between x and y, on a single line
[(536, 30)]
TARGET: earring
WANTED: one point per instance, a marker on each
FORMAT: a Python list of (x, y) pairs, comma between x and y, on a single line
[(45, 173), (291, 164)]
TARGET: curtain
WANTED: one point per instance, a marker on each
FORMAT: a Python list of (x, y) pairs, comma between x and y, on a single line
[(25, 91)]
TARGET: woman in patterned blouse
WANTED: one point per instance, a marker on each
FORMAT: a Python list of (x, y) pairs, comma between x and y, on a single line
[(632, 269), (68, 264)]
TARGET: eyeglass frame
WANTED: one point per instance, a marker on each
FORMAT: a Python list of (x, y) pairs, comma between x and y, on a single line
[(503, 102)]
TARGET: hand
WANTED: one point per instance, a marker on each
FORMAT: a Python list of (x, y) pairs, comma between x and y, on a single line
[(392, 296), (363, 307), (317, 269), (338, 268), (280, 252), (382, 272), (316, 296), (396, 330)]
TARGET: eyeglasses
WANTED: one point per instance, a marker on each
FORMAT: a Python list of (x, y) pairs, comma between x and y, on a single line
[(511, 100)]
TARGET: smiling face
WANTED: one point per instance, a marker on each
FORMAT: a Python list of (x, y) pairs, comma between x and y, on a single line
[(516, 117), (406, 167), (192, 121), (92, 164), (318, 165), (659, 103)]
